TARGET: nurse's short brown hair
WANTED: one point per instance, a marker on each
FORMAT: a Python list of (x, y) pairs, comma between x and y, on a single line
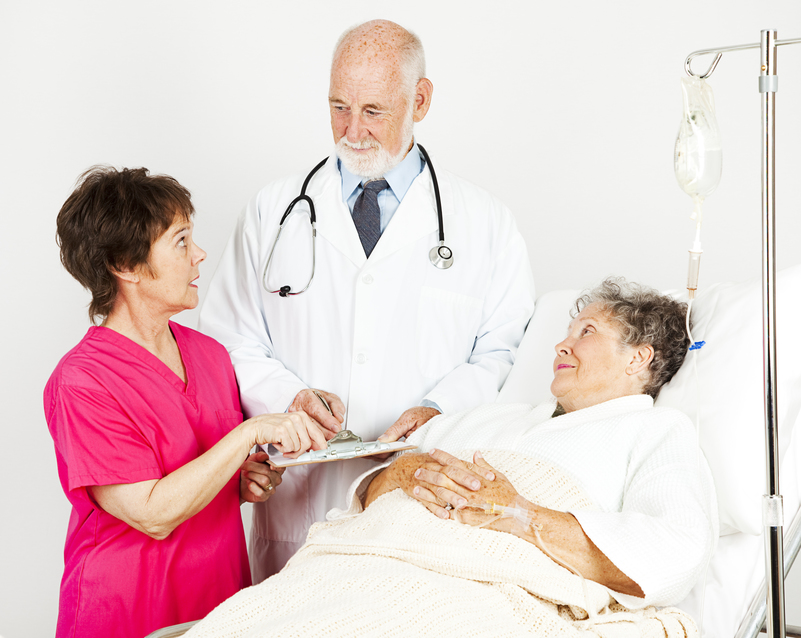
[(109, 223)]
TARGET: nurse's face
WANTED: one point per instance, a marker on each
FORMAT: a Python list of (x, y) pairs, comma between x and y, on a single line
[(592, 364), (372, 116), (174, 259)]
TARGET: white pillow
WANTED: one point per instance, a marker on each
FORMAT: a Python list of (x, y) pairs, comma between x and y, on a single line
[(529, 381), (728, 317)]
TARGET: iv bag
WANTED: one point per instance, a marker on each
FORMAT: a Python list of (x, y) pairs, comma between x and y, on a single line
[(697, 156)]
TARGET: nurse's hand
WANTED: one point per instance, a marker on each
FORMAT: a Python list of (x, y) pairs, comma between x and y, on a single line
[(257, 479), (292, 433), (308, 402)]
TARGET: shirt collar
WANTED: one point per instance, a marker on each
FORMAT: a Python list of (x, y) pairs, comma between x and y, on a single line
[(399, 178)]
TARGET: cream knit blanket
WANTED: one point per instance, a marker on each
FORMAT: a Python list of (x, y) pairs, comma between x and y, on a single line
[(398, 570)]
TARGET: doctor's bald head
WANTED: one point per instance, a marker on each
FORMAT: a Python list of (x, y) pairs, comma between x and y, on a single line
[(377, 92), (378, 41)]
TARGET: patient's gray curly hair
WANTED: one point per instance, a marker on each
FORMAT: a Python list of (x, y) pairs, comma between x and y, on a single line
[(645, 317)]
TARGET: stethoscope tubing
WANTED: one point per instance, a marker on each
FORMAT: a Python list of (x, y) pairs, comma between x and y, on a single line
[(440, 256)]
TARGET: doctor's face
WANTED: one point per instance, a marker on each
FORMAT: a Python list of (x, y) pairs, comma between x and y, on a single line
[(372, 117)]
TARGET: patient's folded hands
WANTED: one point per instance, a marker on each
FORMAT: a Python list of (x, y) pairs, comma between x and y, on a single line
[(444, 483), (400, 474), (467, 499), (457, 479)]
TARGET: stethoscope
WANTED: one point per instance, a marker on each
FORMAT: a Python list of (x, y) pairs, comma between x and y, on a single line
[(441, 256)]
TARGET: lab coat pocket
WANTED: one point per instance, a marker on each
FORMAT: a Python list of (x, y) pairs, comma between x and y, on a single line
[(447, 323)]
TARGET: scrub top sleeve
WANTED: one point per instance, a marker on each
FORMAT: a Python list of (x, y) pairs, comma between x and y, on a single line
[(100, 445)]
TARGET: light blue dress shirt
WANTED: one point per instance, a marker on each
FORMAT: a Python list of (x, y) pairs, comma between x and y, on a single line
[(399, 180)]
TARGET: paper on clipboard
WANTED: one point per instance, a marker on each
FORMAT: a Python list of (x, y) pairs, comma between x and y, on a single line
[(345, 445)]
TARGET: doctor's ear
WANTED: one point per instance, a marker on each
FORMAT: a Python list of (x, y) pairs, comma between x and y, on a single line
[(422, 99), (641, 359)]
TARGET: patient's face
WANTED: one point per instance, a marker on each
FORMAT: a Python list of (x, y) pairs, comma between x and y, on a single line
[(591, 362)]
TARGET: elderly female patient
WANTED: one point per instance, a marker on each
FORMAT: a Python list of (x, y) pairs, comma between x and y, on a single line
[(146, 421), (595, 508)]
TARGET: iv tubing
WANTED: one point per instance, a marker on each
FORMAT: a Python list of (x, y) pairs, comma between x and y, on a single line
[(525, 517)]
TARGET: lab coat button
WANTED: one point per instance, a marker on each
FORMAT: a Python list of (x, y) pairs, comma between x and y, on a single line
[(361, 358), (368, 279)]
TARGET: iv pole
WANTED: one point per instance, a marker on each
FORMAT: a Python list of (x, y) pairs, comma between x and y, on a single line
[(772, 511)]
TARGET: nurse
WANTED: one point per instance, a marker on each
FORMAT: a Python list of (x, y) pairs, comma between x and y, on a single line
[(380, 330), (152, 452)]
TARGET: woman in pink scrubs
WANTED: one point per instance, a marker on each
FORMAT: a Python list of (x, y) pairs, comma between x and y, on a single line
[(152, 452)]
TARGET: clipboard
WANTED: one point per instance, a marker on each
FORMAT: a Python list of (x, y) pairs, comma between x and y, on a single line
[(345, 445)]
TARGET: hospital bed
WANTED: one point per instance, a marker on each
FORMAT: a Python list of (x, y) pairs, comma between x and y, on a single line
[(719, 387)]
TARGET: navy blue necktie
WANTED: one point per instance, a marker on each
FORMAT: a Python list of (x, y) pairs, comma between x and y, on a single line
[(367, 214)]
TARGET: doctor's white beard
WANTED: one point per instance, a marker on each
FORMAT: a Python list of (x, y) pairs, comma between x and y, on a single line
[(377, 162)]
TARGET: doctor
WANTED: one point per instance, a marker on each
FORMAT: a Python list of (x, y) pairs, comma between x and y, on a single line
[(397, 338)]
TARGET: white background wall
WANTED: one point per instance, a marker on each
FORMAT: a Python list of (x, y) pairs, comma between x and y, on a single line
[(566, 110)]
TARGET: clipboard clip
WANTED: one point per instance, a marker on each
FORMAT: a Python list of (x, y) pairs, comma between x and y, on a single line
[(345, 445)]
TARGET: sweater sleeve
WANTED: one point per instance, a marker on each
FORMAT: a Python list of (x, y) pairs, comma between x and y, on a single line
[(667, 528)]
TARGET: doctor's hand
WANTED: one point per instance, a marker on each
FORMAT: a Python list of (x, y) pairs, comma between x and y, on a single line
[(407, 423), (308, 402), (257, 479), (292, 433)]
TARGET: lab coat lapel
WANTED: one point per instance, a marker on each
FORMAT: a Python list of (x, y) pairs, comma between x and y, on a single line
[(416, 216), (334, 221)]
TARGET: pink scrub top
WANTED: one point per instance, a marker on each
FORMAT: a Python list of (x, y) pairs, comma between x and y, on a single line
[(117, 414)]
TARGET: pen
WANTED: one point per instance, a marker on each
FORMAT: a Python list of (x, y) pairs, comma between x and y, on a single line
[(325, 403)]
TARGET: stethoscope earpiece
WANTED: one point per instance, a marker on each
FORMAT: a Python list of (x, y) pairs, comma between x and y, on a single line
[(441, 256), (284, 291)]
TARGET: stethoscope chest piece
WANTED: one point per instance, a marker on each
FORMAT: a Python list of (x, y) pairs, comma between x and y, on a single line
[(441, 256)]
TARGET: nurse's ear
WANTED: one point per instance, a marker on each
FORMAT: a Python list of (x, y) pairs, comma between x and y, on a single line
[(130, 276)]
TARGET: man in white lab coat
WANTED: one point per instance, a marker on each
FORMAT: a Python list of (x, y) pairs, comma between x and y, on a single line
[(398, 339)]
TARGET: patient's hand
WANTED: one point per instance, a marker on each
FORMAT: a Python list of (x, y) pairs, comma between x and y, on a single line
[(434, 479), (460, 484), (400, 473)]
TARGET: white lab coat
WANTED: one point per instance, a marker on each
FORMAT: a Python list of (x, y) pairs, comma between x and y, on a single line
[(382, 333)]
